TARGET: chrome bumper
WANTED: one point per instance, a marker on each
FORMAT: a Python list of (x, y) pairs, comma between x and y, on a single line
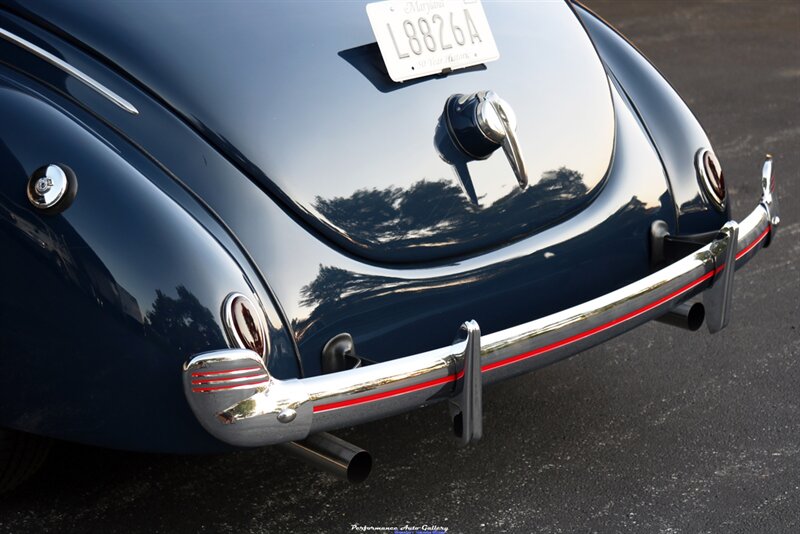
[(237, 401)]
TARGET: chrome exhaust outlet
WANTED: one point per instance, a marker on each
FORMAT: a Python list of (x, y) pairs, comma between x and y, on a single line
[(336, 456), (687, 316)]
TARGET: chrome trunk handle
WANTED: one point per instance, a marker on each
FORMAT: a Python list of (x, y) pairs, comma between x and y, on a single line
[(482, 122), (498, 123)]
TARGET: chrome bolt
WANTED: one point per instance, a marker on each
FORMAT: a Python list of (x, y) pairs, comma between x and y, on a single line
[(43, 185), (287, 415)]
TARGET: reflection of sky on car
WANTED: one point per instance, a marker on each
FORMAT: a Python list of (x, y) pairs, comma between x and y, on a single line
[(313, 289), (315, 126), (312, 122), (353, 139)]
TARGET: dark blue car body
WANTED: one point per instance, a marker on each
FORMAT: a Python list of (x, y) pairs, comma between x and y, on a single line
[(253, 165)]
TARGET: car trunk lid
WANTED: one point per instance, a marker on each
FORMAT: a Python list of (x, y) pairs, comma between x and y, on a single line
[(297, 96)]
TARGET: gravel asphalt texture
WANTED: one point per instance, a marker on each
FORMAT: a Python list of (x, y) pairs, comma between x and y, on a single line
[(656, 431)]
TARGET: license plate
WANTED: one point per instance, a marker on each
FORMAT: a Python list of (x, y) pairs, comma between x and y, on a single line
[(423, 37)]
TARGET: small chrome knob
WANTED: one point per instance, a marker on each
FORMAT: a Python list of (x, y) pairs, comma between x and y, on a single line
[(287, 415), (52, 188)]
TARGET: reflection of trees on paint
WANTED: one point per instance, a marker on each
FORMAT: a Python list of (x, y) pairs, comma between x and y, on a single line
[(338, 294), (185, 322), (60, 249), (438, 212)]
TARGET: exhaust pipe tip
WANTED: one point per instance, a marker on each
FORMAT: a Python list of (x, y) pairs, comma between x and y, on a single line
[(359, 468), (689, 316), (695, 316), (334, 455)]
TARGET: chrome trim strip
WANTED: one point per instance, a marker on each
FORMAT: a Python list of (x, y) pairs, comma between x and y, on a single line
[(288, 410), (69, 69)]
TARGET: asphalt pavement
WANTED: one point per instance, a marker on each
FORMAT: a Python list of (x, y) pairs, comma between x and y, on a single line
[(656, 431)]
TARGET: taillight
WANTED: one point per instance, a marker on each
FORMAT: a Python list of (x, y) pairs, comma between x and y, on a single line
[(711, 177), (244, 324)]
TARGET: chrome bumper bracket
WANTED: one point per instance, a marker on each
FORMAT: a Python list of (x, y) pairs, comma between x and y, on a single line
[(466, 406), (769, 199), (717, 299)]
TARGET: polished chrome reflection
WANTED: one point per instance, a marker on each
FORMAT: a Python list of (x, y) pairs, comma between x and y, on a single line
[(712, 179), (47, 187), (69, 69), (479, 124), (244, 323), (768, 196), (466, 406), (498, 123), (717, 300)]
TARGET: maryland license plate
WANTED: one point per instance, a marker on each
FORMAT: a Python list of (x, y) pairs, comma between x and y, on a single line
[(423, 37)]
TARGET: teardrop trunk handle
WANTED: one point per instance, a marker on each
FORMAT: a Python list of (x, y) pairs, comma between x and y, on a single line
[(498, 123)]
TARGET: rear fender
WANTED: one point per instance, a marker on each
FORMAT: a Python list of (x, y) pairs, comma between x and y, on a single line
[(674, 130), (101, 304)]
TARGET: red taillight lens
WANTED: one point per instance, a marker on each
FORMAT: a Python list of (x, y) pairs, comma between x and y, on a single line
[(710, 171), (244, 324)]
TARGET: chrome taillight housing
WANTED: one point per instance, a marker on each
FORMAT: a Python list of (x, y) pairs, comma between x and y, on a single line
[(244, 324), (709, 171)]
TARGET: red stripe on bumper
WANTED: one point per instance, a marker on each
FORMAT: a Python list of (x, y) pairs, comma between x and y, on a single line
[(597, 329), (219, 388), (226, 371), (755, 242), (387, 394), (208, 380)]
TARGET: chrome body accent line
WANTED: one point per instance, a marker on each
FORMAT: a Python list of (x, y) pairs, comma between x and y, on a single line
[(260, 414), (69, 69)]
